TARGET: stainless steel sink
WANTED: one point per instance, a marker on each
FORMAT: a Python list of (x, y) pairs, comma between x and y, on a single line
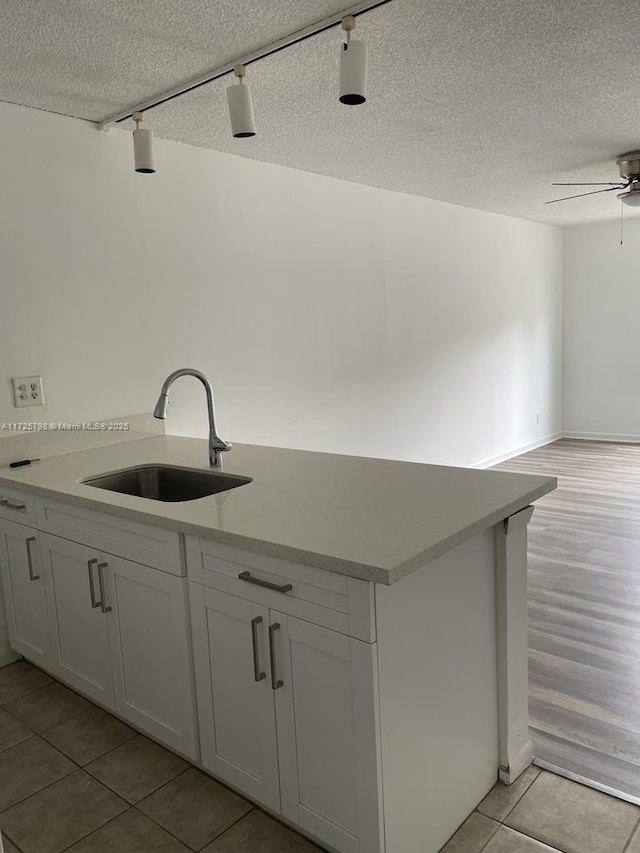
[(167, 482)]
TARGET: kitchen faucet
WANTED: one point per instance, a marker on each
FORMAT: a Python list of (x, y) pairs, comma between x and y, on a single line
[(216, 444)]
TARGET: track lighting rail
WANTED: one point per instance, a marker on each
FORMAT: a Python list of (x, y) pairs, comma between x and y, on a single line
[(254, 56)]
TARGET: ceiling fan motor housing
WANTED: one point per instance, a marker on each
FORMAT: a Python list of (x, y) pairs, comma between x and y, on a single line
[(629, 166)]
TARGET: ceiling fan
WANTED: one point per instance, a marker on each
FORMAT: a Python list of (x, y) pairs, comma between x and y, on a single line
[(629, 166)]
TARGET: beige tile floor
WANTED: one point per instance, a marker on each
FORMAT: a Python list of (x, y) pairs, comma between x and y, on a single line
[(73, 778)]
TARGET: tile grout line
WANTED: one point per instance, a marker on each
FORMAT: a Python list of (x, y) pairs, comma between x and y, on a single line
[(502, 820), (9, 838), (100, 782), (102, 825), (164, 828), (177, 837), (35, 793), (129, 805), (77, 767), (555, 849), (13, 745), (533, 838), (154, 791), (39, 791), (522, 796), (102, 754), (44, 788), (230, 827), (491, 837), (68, 758), (527, 834), (5, 705), (73, 716), (191, 767), (630, 839), (501, 823)]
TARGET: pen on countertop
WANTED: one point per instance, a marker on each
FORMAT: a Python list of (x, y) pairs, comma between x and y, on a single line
[(22, 463)]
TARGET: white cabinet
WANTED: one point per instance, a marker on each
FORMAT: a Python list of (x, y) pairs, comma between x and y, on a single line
[(151, 652), (119, 635), (325, 712), (287, 715), (315, 691), (23, 592), (74, 575), (235, 701)]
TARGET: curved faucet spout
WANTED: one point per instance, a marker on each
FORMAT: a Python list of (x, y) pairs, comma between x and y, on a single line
[(216, 444)]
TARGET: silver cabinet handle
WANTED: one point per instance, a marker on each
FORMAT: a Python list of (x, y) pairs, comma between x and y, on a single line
[(257, 675), (92, 590), (6, 502), (32, 576), (246, 576), (101, 567), (275, 681)]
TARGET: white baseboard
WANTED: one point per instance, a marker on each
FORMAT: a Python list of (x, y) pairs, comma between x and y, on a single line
[(516, 451), (613, 437), (620, 438)]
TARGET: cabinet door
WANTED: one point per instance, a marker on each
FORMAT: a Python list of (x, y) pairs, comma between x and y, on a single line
[(235, 699), (327, 733), (24, 592), (151, 652), (78, 621)]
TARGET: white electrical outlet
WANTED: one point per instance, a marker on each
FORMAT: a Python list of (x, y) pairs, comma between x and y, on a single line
[(27, 391)]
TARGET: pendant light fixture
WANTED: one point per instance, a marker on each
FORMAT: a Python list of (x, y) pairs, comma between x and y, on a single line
[(142, 147), (240, 106), (353, 66), (353, 82)]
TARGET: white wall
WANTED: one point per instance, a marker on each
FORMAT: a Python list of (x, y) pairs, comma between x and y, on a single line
[(330, 316), (601, 397)]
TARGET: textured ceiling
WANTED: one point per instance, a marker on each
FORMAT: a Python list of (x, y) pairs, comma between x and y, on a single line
[(479, 102)]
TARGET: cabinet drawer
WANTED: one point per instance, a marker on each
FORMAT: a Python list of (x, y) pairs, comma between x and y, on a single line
[(18, 506), (334, 601), (142, 543)]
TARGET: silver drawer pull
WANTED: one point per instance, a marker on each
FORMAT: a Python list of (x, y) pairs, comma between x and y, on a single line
[(275, 681), (92, 590), (246, 576), (257, 675), (32, 576), (101, 568), (9, 505)]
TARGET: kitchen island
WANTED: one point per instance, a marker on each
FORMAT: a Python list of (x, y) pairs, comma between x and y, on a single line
[(342, 639)]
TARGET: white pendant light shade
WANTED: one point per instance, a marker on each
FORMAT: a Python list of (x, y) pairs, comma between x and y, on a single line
[(143, 148), (353, 73), (240, 107), (353, 67)]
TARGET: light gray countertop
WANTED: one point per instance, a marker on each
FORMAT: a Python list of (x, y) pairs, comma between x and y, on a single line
[(373, 519)]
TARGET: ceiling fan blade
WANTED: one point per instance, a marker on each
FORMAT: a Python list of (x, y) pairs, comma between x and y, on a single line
[(592, 184), (580, 195)]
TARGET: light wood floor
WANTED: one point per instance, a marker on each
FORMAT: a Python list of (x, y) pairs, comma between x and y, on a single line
[(584, 610)]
